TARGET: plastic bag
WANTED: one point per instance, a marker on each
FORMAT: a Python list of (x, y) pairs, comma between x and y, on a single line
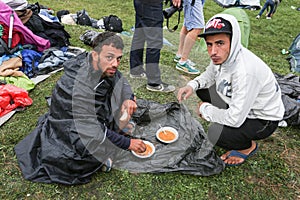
[(12, 97)]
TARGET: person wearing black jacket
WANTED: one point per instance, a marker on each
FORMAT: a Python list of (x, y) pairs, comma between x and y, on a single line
[(81, 131)]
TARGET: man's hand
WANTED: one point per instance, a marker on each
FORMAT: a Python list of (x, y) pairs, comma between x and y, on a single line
[(127, 109), (177, 3), (130, 106), (184, 93), (137, 145)]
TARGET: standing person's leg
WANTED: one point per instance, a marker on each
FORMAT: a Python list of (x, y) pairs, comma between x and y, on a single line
[(138, 42), (275, 7), (263, 9), (183, 33), (189, 41), (272, 6), (193, 25), (154, 38), (153, 20), (137, 52)]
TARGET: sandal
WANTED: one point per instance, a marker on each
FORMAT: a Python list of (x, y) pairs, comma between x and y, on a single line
[(238, 154)]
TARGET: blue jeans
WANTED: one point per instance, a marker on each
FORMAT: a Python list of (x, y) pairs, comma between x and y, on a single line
[(148, 30), (268, 3)]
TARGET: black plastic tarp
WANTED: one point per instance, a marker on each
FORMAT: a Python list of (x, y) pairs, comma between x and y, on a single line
[(192, 153), (290, 89)]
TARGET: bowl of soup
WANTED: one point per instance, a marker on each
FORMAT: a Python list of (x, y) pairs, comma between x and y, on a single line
[(167, 134), (150, 150)]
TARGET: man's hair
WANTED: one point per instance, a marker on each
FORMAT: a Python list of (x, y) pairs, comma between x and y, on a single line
[(107, 38)]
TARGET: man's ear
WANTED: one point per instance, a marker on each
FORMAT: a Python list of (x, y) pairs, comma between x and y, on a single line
[(95, 59), (95, 55)]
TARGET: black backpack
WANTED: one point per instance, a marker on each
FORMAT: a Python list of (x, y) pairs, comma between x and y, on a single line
[(83, 18), (113, 23)]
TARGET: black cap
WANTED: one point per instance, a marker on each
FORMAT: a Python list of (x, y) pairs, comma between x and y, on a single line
[(217, 25)]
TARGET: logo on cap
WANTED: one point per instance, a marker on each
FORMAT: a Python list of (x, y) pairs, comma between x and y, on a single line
[(215, 23)]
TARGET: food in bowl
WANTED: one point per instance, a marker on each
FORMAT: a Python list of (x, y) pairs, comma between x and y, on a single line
[(167, 134), (147, 152), (150, 149)]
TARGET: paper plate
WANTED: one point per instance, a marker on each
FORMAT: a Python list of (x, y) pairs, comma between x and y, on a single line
[(145, 154), (161, 136)]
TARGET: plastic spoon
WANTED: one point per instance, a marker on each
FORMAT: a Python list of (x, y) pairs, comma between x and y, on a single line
[(162, 129)]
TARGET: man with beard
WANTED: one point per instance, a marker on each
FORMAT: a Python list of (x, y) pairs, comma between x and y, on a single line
[(82, 130)]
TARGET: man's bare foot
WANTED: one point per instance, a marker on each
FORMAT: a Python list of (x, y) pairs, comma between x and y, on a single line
[(237, 157)]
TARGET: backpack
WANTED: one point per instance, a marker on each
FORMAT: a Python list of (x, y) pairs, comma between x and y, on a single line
[(294, 55), (83, 18), (88, 36), (113, 23)]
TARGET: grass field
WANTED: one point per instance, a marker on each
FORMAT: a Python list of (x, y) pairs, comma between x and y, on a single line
[(272, 174)]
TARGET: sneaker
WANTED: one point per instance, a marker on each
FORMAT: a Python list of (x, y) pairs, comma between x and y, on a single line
[(187, 68), (191, 63), (177, 58), (164, 87), (106, 167), (268, 18), (142, 75), (257, 17)]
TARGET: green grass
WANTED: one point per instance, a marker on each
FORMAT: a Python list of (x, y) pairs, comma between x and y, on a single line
[(272, 174)]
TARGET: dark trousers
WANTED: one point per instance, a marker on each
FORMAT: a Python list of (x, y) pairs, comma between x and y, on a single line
[(148, 31), (266, 5), (232, 138)]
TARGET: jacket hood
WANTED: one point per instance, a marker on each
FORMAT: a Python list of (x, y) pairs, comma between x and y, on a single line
[(236, 44)]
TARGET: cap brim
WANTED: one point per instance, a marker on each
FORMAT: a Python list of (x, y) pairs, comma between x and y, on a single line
[(213, 33)]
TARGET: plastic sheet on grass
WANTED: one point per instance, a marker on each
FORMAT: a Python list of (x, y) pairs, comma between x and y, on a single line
[(44, 158)]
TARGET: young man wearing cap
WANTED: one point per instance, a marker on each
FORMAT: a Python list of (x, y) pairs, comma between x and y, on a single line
[(240, 95)]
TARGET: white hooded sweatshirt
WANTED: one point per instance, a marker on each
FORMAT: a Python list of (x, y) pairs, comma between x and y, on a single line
[(244, 82)]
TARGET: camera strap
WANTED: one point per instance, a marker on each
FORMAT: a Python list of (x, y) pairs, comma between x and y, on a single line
[(176, 26)]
